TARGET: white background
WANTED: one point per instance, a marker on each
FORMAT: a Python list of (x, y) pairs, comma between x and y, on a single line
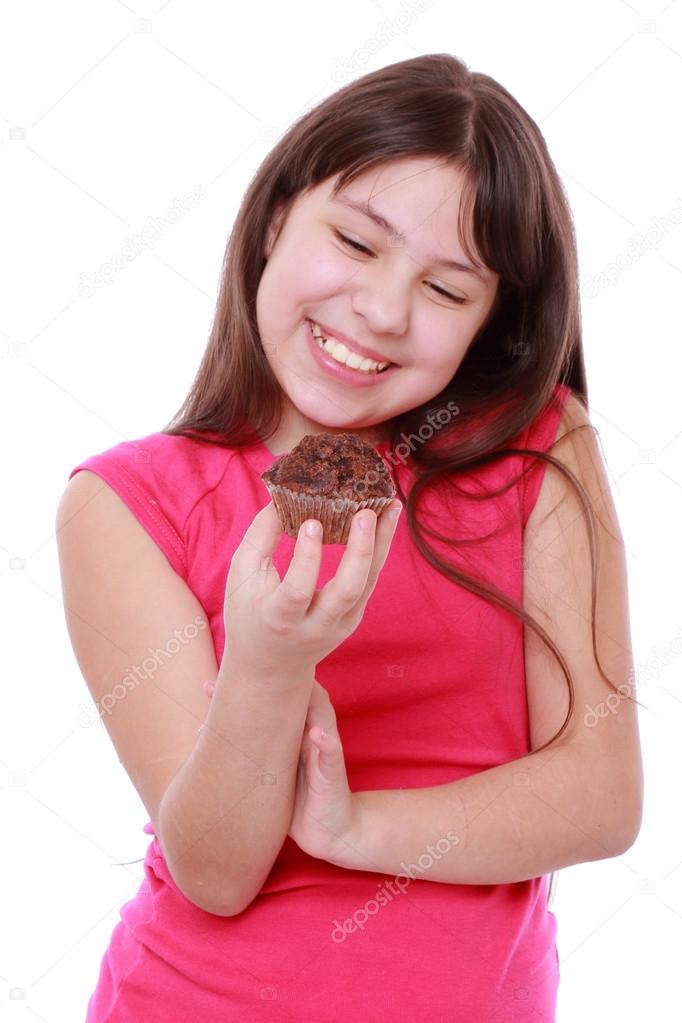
[(108, 113)]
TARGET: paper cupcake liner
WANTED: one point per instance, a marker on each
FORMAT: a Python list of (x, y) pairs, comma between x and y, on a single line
[(335, 513)]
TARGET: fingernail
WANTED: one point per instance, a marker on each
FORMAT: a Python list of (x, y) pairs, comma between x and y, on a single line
[(394, 511), (366, 522), (313, 528)]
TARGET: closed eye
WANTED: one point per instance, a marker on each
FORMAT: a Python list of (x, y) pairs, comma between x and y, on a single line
[(361, 248), (349, 241)]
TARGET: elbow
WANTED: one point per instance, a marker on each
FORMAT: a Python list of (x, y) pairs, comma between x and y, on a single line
[(235, 908), (630, 833), (201, 888), (629, 826), (217, 903), (217, 907), (618, 804), (202, 894)]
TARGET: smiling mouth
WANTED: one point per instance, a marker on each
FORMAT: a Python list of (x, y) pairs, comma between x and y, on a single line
[(338, 351)]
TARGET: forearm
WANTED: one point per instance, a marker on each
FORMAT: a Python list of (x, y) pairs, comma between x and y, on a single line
[(516, 821), (226, 813)]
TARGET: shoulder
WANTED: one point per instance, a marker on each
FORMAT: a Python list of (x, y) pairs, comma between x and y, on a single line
[(563, 412), (574, 414), (559, 542), (174, 464), (161, 478), (577, 446)]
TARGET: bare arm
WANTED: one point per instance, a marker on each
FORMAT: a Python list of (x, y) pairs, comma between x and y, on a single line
[(221, 800), (226, 813), (548, 810), (580, 798), (122, 597)]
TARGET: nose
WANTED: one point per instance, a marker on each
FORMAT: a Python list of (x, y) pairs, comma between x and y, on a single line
[(382, 300)]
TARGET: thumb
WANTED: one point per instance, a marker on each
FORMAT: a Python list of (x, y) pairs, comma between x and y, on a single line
[(329, 753)]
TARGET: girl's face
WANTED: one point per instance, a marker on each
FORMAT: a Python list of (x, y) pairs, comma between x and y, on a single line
[(395, 296)]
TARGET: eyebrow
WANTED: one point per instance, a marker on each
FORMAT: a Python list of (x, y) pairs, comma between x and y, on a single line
[(381, 221)]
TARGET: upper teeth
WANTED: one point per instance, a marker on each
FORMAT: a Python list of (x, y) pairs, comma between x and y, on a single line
[(340, 353)]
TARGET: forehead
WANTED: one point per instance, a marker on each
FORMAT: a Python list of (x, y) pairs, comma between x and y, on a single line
[(425, 179)]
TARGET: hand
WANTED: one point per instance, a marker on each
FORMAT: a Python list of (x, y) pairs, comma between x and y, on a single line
[(324, 818), (324, 815), (275, 626)]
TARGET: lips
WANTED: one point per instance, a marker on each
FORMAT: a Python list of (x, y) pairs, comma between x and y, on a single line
[(351, 344)]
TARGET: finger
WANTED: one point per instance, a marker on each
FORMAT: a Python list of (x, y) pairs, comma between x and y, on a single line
[(294, 594), (360, 565), (258, 544), (209, 688), (344, 590), (319, 699), (328, 755), (386, 528), (321, 712)]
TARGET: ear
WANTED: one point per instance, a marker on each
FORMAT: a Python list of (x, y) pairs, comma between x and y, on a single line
[(274, 226)]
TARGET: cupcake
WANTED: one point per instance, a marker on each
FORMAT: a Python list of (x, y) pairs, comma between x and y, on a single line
[(330, 477)]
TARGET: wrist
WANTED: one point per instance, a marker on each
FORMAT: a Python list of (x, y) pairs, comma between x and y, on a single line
[(250, 715), (352, 849), (280, 679)]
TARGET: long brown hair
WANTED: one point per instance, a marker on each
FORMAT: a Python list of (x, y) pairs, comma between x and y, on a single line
[(428, 106)]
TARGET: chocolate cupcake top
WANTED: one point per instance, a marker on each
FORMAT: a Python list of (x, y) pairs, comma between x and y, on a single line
[(332, 465)]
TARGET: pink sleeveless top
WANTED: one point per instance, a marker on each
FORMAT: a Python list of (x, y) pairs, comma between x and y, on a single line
[(430, 688)]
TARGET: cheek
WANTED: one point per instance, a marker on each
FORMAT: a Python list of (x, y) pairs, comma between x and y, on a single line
[(436, 360), (313, 270), (439, 354)]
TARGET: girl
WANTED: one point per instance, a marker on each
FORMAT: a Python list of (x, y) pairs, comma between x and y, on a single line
[(396, 753)]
